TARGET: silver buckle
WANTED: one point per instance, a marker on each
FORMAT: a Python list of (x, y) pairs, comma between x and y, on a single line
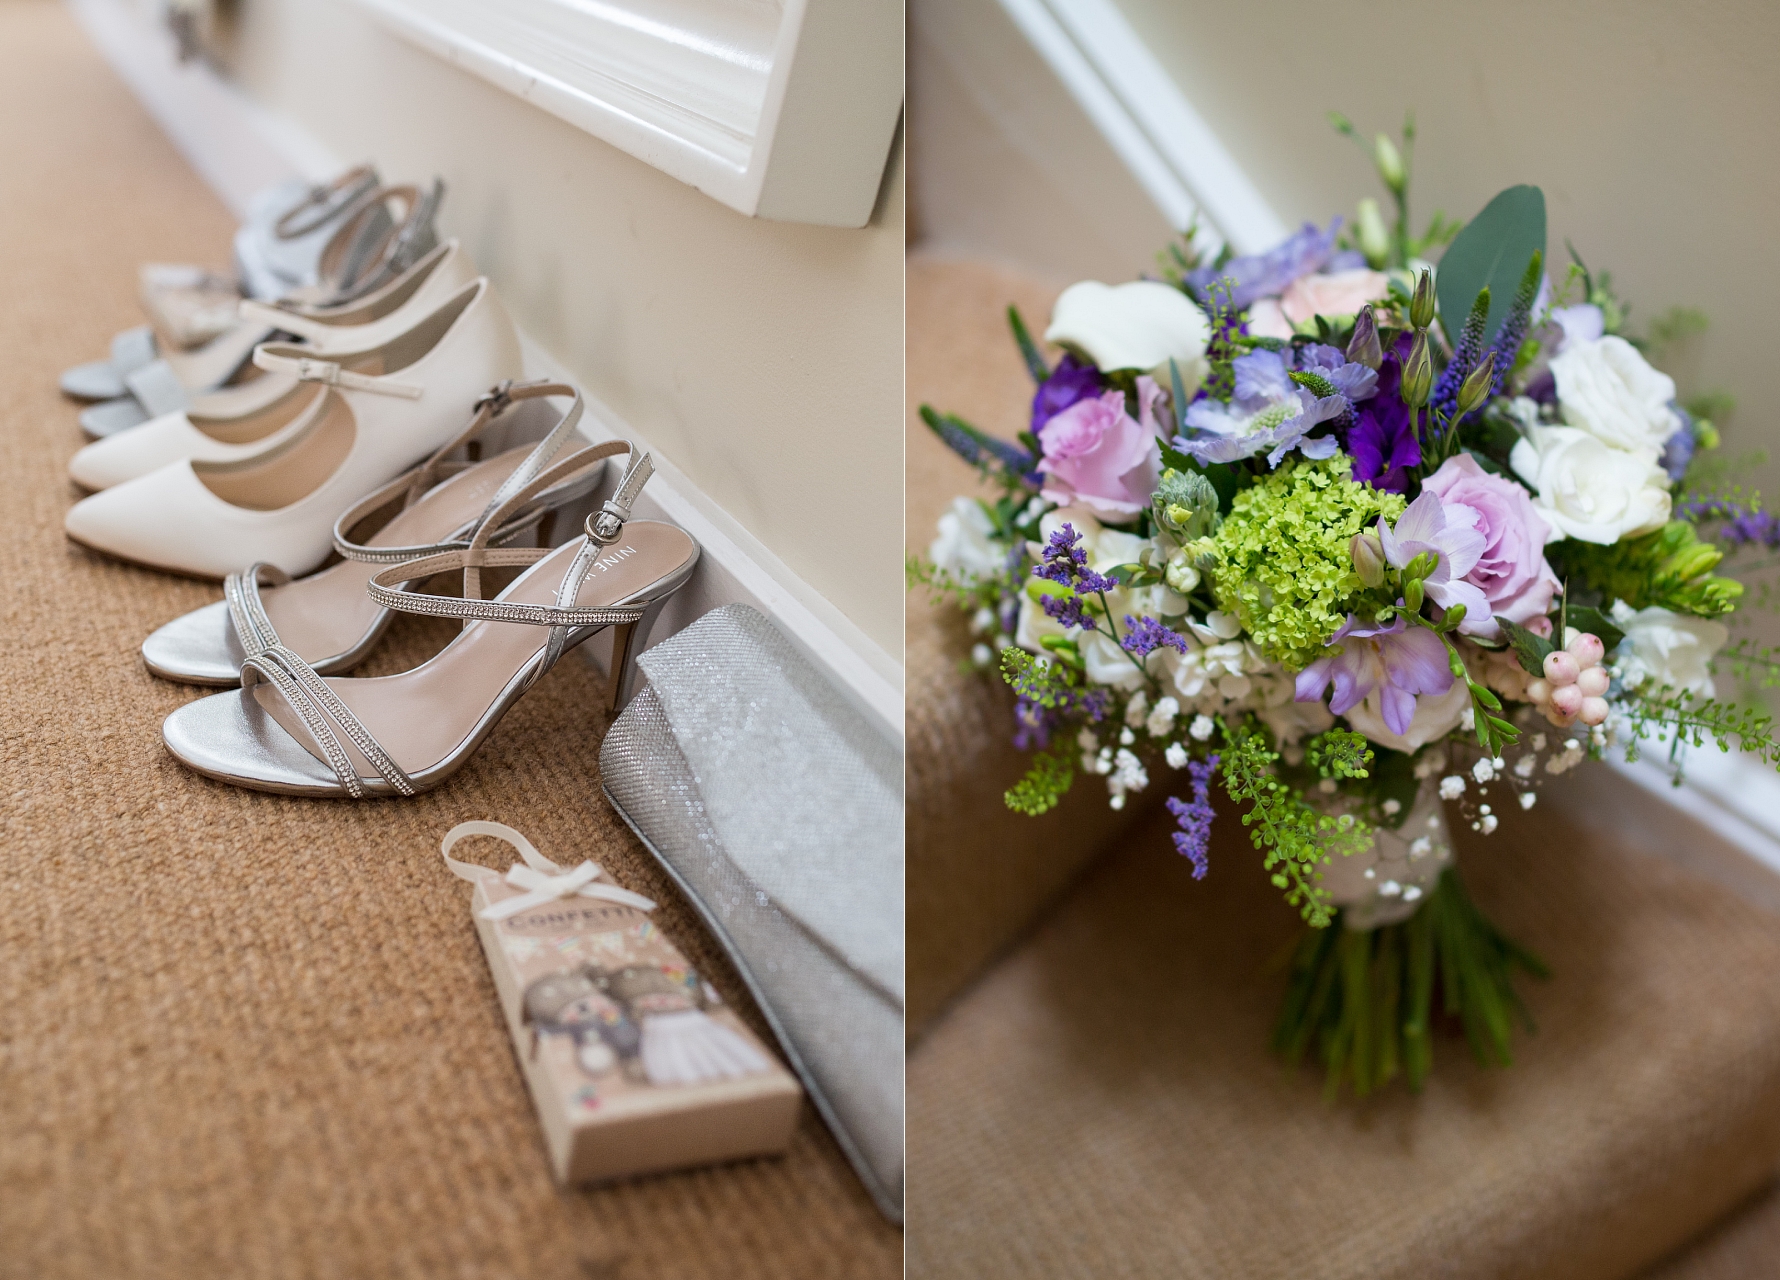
[(317, 371), (604, 525), (496, 399)]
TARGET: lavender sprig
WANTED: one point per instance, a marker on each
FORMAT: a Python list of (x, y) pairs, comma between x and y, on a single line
[(1741, 524), (1193, 840), (1066, 564), (1143, 636)]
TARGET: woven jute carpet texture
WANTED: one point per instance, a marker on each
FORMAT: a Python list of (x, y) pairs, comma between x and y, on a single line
[(978, 873), (1092, 1094), (250, 1036)]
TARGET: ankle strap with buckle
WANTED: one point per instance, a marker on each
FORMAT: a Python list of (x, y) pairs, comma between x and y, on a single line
[(281, 357)]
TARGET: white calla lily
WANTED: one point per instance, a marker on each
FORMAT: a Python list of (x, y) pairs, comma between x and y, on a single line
[(1141, 325)]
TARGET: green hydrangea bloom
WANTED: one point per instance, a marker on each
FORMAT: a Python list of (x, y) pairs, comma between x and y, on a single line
[(1280, 559)]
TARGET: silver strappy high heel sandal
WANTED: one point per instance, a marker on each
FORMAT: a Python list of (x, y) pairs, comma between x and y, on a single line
[(292, 731), (326, 618)]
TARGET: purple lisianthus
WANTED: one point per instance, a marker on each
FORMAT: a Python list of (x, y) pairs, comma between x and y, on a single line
[(1398, 661), (1678, 450), (1193, 840), (1070, 381), (1266, 275), (1381, 441), (1143, 636)]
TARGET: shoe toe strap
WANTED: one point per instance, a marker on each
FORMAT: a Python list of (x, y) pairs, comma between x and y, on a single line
[(247, 610), (320, 709)]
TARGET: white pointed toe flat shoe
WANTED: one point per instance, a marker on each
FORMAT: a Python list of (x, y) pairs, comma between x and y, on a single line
[(292, 731), (236, 423), (377, 413), (311, 215), (363, 254), (327, 619)]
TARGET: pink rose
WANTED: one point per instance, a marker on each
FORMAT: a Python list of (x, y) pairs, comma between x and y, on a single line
[(1339, 293), (1100, 457), (1511, 572), (1266, 320)]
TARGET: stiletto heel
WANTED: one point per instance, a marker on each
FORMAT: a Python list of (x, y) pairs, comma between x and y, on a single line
[(628, 640), (292, 731)]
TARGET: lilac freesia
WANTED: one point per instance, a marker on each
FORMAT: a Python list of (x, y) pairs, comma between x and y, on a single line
[(1450, 532), (1398, 661), (1266, 275), (1070, 381), (1269, 413)]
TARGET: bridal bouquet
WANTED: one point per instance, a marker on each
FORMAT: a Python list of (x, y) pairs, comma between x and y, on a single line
[(1353, 535)]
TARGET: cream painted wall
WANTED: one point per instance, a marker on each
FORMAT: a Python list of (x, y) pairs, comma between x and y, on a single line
[(1648, 125), (764, 358), (1005, 167)]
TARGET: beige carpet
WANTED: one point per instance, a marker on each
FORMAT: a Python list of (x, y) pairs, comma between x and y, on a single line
[(1103, 1103), (245, 1036)]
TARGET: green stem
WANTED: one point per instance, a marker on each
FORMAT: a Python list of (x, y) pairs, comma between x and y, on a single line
[(1135, 660)]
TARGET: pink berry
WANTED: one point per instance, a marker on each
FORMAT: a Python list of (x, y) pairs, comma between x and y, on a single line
[(1538, 691), (1567, 699), (1558, 718), (1561, 668), (1593, 682), (1586, 649), (1592, 711)]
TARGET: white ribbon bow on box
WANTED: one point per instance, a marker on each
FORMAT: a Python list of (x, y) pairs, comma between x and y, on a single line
[(542, 879)]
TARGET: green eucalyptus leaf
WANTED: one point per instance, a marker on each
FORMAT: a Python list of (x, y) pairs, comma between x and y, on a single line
[(1529, 648), (1492, 251)]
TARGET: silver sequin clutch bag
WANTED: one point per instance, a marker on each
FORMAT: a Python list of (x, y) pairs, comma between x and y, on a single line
[(778, 810)]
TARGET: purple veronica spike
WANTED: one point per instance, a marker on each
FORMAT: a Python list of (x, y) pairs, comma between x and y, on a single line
[(1145, 635), (1193, 840)]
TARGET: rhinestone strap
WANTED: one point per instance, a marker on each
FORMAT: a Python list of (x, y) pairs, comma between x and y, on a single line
[(247, 611), (316, 704)]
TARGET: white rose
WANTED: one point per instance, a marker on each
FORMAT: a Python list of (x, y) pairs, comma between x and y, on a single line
[(965, 546), (1435, 717), (1141, 325), (1669, 648), (1590, 490), (1606, 388)]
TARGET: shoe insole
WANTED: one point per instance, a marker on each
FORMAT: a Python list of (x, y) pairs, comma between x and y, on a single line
[(328, 612)]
